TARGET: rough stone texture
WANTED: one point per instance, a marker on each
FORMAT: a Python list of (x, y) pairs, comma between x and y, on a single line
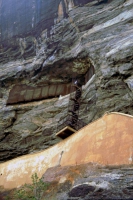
[(48, 42), (90, 181)]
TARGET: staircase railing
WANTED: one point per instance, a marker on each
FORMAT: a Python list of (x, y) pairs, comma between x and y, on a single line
[(72, 119)]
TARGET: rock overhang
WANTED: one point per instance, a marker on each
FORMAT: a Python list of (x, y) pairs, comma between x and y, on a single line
[(84, 34)]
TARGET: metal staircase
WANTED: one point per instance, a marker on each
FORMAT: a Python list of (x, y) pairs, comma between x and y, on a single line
[(71, 123)]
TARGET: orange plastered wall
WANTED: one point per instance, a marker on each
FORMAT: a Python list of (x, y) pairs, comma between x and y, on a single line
[(107, 141)]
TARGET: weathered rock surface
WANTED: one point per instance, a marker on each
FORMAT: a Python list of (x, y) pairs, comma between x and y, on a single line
[(89, 181), (48, 42)]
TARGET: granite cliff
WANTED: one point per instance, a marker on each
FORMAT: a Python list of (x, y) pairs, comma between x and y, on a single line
[(44, 43)]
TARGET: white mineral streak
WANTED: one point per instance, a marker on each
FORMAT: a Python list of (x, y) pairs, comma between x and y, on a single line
[(121, 17)]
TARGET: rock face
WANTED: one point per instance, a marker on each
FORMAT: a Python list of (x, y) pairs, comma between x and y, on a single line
[(89, 181), (49, 42)]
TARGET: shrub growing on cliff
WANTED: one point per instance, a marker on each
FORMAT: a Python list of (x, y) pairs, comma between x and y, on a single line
[(32, 192)]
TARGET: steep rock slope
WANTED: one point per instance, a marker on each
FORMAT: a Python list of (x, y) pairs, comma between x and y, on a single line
[(50, 42)]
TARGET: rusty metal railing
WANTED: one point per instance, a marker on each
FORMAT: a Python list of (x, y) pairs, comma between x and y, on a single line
[(67, 121), (72, 119)]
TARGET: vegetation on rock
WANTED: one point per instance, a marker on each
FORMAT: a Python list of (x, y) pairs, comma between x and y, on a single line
[(34, 191)]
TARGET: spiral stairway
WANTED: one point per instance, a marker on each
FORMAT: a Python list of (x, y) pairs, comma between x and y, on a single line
[(71, 123)]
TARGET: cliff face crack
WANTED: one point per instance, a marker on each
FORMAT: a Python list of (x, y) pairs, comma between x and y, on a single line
[(5, 136)]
